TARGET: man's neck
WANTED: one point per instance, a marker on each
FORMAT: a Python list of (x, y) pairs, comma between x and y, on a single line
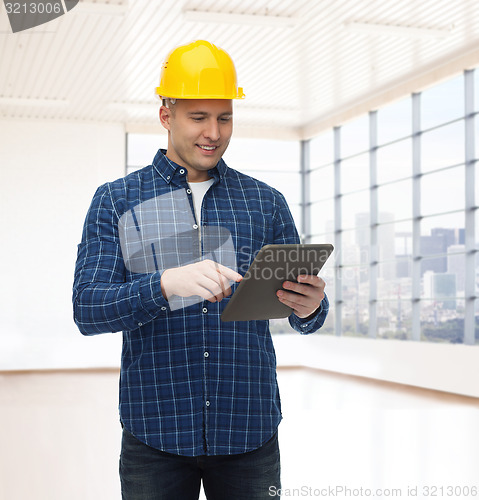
[(193, 175), (198, 176)]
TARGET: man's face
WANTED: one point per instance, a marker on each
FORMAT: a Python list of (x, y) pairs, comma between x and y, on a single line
[(199, 131)]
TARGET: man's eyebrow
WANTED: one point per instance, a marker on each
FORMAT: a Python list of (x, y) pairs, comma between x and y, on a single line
[(205, 113)]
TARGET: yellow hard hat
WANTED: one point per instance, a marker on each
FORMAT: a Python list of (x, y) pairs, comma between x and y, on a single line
[(199, 70)]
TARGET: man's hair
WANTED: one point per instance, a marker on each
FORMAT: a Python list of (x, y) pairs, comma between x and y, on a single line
[(168, 102)]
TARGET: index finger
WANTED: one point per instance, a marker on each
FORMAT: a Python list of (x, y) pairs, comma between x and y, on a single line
[(310, 279), (228, 273)]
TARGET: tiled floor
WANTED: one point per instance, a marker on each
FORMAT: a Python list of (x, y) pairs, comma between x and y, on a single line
[(344, 432), (345, 437), (341, 437)]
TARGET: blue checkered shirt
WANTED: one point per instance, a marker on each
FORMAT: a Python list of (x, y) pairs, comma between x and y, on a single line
[(190, 384)]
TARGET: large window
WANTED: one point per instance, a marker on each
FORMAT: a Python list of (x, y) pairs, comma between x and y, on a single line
[(396, 190)]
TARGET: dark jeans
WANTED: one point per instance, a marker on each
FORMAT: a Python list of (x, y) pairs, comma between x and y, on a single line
[(150, 474)]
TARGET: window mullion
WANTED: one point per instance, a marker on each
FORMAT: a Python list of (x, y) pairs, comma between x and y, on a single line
[(470, 214), (374, 220), (337, 232), (416, 214)]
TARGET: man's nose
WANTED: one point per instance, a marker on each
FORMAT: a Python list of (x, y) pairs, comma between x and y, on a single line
[(212, 131)]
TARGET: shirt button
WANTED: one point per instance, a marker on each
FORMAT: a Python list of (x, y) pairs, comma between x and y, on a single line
[(169, 177), (188, 191), (163, 308), (207, 354), (195, 226), (205, 310), (182, 171), (140, 324), (207, 403)]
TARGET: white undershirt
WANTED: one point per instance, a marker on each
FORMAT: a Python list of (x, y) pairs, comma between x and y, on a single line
[(198, 191)]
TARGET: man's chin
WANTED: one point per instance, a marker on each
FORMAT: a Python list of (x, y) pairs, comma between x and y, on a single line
[(207, 164)]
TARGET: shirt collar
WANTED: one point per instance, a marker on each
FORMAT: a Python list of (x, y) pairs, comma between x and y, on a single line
[(168, 169)]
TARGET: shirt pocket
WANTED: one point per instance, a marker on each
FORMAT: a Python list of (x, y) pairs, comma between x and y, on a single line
[(249, 232)]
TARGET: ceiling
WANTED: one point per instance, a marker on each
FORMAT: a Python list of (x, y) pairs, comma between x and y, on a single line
[(304, 64)]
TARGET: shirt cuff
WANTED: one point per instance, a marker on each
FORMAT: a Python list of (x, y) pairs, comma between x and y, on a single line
[(313, 324), (151, 297)]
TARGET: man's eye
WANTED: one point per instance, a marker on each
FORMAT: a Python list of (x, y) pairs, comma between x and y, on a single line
[(225, 120)]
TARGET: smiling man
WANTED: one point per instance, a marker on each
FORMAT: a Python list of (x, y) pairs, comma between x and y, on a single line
[(199, 401), (199, 133)]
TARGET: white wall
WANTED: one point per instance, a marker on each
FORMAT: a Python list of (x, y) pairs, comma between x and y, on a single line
[(49, 173)]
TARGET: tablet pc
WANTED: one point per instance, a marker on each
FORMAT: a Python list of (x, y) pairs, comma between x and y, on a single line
[(255, 297)]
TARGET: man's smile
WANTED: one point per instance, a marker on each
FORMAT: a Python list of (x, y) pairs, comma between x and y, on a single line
[(208, 149)]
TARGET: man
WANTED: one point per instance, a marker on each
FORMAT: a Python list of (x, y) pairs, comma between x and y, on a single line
[(198, 397)]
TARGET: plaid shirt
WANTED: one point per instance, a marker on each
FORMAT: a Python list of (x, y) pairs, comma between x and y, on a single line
[(189, 384)]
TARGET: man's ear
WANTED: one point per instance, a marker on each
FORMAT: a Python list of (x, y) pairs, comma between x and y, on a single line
[(165, 115)]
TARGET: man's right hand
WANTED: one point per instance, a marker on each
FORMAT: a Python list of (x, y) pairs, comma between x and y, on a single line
[(206, 278)]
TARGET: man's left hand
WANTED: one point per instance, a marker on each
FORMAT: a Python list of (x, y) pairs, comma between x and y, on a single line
[(303, 297)]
